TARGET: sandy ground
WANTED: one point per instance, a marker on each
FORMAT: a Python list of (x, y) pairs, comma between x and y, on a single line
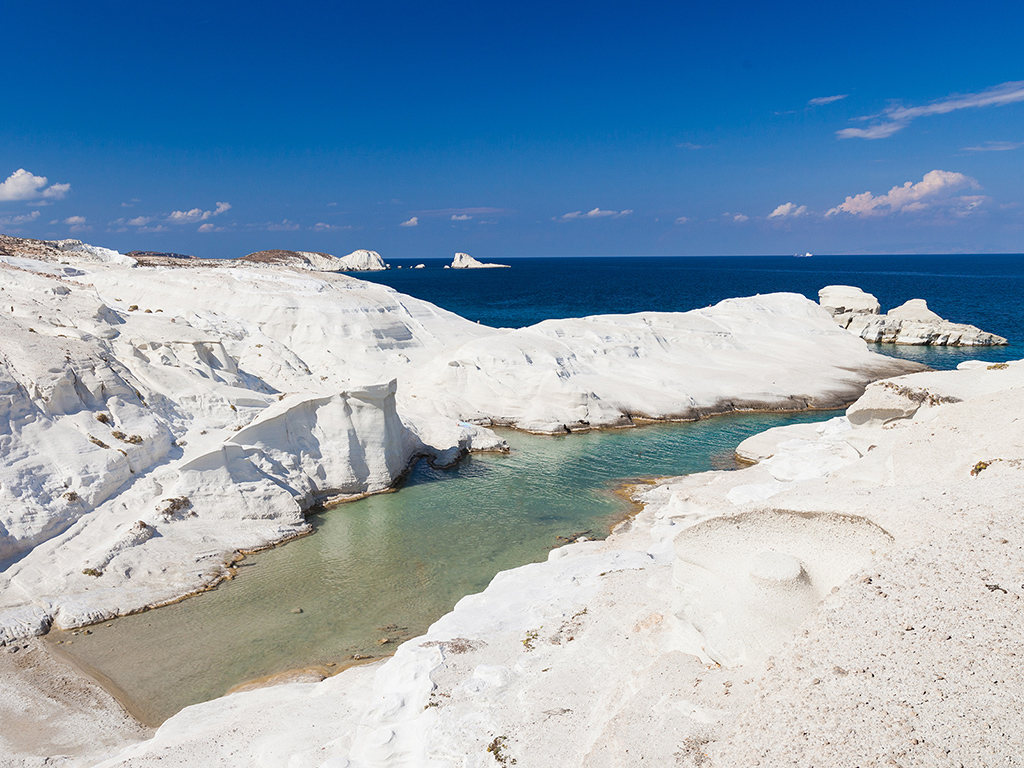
[(52, 715)]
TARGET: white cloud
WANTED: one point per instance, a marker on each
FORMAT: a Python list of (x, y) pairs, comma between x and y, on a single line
[(22, 185), (996, 146), (896, 117), (596, 213), (188, 217), (691, 145), (935, 187), (461, 217), (413, 222), (322, 227), (451, 213), (788, 210), (283, 226), (197, 214), (139, 221), (739, 218), (820, 100), (683, 220), (157, 228), (77, 224), (13, 221)]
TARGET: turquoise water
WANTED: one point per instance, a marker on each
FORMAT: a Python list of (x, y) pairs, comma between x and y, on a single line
[(391, 564)]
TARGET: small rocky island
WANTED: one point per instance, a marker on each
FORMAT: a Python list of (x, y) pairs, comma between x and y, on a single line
[(465, 261), (910, 323)]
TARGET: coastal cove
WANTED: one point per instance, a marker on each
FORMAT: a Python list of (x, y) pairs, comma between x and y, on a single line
[(305, 385), (389, 565)]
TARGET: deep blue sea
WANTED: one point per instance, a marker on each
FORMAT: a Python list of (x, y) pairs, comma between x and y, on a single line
[(983, 290)]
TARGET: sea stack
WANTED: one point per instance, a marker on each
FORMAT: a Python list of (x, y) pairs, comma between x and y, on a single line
[(465, 261)]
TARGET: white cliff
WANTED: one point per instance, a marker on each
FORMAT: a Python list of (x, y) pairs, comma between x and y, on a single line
[(910, 323), (465, 261), (842, 602)]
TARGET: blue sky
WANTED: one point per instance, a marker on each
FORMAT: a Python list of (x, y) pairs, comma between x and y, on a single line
[(526, 129)]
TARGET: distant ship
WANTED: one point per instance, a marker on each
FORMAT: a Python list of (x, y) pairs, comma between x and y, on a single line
[(803, 255)]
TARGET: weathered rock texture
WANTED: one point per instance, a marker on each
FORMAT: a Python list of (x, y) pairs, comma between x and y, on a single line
[(910, 323)]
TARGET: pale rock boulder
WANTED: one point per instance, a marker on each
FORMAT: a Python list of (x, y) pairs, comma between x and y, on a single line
[(847, 299), (910, 323), (465, 261), (916, 310), (362, 261)]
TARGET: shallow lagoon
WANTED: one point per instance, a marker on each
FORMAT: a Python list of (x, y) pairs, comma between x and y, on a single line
[(391, 564)]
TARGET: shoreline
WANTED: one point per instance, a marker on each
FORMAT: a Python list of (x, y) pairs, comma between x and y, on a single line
[(625, 489)]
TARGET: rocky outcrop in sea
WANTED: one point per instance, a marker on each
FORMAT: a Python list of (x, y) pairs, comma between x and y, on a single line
[(910, 323)]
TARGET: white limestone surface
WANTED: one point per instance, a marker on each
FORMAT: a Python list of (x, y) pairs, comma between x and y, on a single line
[(158, 419), (772, 352), (910, 323), (848, 299), (465, 261), (361, 261), (866, 612)]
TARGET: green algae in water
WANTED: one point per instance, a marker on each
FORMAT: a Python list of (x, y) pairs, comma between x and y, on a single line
[(389, 565)]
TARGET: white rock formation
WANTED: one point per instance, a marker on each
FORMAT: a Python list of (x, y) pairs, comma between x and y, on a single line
[(607, 370), (465, 261), (846, 299), (148, 436), (910, 323), (877, 562), (362, 261)]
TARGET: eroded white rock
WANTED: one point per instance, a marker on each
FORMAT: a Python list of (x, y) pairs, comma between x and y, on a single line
[(362, 261), (910, 323), (465, 261)]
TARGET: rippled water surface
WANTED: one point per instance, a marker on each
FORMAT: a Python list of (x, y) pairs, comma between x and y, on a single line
[(389, 565)]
